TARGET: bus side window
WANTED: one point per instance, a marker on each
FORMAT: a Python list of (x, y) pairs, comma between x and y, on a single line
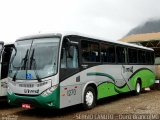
[(72, 57), (141, 57), (148, 58), (90, 51), (69, 57), (132, 54), (107, 53), (121, 54), (152, 58)]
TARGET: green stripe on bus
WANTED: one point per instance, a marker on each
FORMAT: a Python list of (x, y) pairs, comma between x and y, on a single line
[(107, 88)]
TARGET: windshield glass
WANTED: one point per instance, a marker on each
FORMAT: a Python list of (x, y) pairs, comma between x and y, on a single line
[(19, 53), (34, 59)]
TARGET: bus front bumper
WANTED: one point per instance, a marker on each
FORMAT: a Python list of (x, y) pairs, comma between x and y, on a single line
[(40, 101)]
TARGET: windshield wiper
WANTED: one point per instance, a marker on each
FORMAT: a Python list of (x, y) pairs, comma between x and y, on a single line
[(35, 65), (21, 65)]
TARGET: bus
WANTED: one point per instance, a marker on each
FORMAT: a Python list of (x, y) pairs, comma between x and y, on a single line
[(5, 54), (64, 69)]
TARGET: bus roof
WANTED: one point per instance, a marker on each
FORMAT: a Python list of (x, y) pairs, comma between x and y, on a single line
[(63, 34)]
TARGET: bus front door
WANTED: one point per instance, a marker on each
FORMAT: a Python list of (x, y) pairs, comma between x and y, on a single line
[(70, 90)]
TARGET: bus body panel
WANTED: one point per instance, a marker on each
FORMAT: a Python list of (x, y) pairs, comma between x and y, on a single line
[(29, 88), (3, 85), (71, 92), (50, 101), (108, 82), (157, 72), (24, 91), (5, 53)]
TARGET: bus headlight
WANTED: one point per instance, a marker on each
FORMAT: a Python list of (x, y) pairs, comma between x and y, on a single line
[(49, 91), (9, 91)]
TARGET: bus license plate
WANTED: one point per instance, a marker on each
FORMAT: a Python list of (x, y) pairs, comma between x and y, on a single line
[(27, 106)]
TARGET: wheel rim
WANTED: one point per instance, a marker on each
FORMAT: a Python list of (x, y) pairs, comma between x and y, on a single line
[(89, 98), (138, 87)]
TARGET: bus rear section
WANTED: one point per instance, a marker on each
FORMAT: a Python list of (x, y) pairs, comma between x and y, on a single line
[(157, 82), (157, 69)]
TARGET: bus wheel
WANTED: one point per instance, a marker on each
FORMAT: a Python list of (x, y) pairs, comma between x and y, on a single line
[(138, 88), (89, 98)]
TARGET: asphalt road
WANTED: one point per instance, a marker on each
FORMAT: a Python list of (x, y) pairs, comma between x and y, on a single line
[(124, 106)]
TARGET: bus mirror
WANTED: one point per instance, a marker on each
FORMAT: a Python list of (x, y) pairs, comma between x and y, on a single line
[(71, 42), (14, 47)]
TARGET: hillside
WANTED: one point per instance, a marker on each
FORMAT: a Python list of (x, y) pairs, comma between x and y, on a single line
[(150, 26)]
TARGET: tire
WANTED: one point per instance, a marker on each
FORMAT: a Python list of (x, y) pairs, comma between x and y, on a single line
[(138, 88), (89, 98)]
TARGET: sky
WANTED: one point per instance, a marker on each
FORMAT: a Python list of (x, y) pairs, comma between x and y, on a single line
[(110, 19)]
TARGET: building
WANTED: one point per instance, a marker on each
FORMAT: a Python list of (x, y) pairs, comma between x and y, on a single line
[(151, 40)]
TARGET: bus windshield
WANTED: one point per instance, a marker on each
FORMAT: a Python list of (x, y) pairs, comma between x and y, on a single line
[(34, 59)]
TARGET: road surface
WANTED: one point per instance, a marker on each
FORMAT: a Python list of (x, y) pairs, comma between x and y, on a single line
[(124, 106)]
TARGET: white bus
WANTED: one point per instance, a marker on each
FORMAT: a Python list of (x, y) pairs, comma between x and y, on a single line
[(5, 54), (61, 70)]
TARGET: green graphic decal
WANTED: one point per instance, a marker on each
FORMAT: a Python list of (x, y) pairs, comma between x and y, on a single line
[(109, 88), (147, 77), (106, 89)]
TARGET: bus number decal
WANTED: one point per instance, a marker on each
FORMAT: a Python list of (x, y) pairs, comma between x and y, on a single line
[(71, 92)]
